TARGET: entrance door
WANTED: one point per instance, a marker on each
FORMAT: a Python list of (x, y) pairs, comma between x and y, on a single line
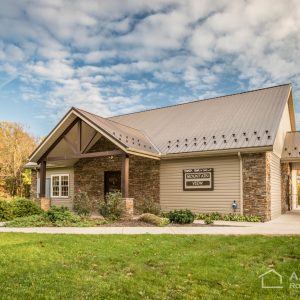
[(112, 181)]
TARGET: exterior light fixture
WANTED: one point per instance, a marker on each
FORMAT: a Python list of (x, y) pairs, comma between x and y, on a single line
[(234, 205)]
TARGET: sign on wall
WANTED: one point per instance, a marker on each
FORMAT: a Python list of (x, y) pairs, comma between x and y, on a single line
[(198, 179)]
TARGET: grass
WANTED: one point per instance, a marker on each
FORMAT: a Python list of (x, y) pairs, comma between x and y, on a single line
[(40, 266)]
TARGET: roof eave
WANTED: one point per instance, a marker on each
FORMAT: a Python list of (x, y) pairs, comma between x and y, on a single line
[(217, 152)]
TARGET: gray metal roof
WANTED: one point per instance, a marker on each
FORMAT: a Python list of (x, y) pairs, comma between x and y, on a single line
[(129, 137), (249, 119), (291, 148)]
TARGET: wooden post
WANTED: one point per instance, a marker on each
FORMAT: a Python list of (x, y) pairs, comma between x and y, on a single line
[(125, 176), (43, 178), (79, 125)]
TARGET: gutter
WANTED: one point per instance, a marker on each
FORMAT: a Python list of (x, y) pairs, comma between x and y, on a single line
[(241, 183)]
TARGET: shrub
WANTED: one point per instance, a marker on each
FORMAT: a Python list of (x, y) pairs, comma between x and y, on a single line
[(83, 205), (181, 216), (6, 212), (61, 216), (229, 217), (154, 220), (30, 221), (113, 206), (149, 206), (23, 207), (208, 221)]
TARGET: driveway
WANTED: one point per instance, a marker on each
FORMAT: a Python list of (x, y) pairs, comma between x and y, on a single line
[(288, 224)]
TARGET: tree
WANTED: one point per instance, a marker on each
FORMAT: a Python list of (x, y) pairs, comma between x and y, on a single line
[(15, 147)]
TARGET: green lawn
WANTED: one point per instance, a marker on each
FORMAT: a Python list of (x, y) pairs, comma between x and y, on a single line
[(34, 266)]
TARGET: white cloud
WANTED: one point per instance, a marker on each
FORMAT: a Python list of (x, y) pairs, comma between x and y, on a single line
[(97, 54)]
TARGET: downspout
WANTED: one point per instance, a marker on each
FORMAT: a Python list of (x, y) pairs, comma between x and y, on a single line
[(241, 184)]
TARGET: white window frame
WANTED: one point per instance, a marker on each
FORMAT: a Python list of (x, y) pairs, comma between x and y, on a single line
[(59, 186)]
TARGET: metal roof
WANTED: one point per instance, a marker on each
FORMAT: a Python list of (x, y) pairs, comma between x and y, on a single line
[(129, 137), (291, 148), (249, 119)]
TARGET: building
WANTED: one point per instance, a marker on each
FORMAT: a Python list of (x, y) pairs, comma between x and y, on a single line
[(202, 155)]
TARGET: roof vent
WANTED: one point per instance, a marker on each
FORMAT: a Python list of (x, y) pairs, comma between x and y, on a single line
[(195, 139), (225, 141), (120, 139), (247, 139), (215, 142), (269, 136), (204, 143), (169, 142), (177, 141), (133, 139), (233, 134), (258, 137), (244, 133), (235, 140), (126, 136), (267, 131), (214, 136), (144, 146), (295, 148), (290, 153), (195, 144), (186, 140), (186, 145), (285, 149), (177, 145), (168, 146), (204, 137), (139, 144), (255, 132), (223, 136), (150, 147)]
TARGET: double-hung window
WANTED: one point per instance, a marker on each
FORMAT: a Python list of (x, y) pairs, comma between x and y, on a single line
[(60, 185)]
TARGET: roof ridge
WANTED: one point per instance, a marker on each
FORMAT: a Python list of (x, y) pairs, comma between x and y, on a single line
[(198, 100)]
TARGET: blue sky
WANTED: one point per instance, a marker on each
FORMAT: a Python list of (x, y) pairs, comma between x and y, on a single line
[(113, 57)]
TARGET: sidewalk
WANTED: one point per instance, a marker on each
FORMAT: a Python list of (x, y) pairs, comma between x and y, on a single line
[(288, 224)]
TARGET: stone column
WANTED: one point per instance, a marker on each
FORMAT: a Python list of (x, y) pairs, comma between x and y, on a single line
[(128, 204)]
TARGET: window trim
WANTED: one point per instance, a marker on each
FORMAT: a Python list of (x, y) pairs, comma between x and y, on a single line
[(59, 186)]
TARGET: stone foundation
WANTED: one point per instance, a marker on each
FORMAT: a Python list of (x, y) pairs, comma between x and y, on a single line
[(256, 184)]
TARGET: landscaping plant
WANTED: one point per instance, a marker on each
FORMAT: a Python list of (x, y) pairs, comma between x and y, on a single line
[(154, 220), (6, 212), (83, 205), (113, 206), (23, 207), (181, 216), (229, 217)]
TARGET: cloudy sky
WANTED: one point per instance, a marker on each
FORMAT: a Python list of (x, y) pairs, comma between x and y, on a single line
[(118, 56)]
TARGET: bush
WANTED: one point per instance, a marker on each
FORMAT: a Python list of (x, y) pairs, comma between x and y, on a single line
[(154, 220), (208, 221), (6, 212), (61, 216), (149, 206), (113, 206), (83, 205), (181, 216), (30, 221), (23, 207), (229, 217)]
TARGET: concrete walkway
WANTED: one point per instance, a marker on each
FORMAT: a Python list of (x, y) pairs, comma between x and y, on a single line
[(288, 224)]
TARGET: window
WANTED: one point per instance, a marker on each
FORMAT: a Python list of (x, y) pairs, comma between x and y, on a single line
[(60, 185)]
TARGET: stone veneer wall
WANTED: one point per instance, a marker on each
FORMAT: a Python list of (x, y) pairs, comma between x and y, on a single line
[(143, 174), (33, 186), (285, 187), (256, 184)]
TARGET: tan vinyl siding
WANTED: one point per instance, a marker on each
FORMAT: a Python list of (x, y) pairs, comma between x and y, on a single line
[(275, 173), (68, 202), (226, 185), (284, 127)]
